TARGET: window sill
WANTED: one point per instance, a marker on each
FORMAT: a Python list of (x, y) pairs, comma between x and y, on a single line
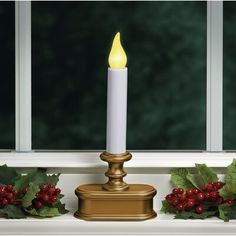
[(69, 180), (92, 160), (162, 225)]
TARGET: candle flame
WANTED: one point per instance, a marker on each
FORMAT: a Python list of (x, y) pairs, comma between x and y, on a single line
[(117, 57)]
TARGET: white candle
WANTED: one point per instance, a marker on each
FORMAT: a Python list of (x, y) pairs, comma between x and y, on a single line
[(117, 99)]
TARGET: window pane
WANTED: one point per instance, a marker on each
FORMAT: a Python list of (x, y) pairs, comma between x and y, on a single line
[(229, 75), (7, 88), (166, 47)]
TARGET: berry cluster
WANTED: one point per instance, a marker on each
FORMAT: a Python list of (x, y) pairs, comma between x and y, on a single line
[(47, 194), (194, 199), (8, 196)]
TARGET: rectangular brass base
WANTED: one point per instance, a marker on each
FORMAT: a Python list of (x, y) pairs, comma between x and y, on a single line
[(95, 203)]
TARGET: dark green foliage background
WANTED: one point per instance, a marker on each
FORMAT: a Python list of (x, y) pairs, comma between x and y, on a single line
[(166, 47), (229, 75), (7, 78)]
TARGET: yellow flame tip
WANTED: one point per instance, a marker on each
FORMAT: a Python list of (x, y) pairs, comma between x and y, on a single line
[(117, 57)]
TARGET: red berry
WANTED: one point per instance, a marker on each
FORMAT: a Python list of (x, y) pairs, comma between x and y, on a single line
[(10, 201), (180, 207), (204, 188), (190, 192), (219, 200), (52, 199), (209, 187), (183, 197), (169, 197), (38, 204), (16, 202), (14, 192), (4, 202), (214, 195), (43, 188), (25, 190), (57, 191), (191, 203), (195, 191), (180, 190), (200, 196), (199, 209), (9, 196), (51, 186), (175, 191), (45, 197), (207, 195), (2, 191), (218, 185), (230, 201), (9, 187), (38, 195), (51, 191), (174, 201)]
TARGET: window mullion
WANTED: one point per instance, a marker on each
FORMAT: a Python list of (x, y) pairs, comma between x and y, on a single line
[(214, 76), (23, 75)]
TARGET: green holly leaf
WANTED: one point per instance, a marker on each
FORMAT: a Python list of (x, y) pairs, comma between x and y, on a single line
[(12, 212), (229, 189), (192, 215), (203, 177), (195, 180), (45, 212), (37, 177), (60, 196), (30, 195), (179, 178), (207, 174), (223, 210), (210, 205), (53, 179), (227, 212), (61, 207), (167, 208), (227, 192), (8, 175)]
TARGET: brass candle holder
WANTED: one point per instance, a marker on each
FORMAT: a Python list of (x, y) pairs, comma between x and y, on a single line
[(115, 200)]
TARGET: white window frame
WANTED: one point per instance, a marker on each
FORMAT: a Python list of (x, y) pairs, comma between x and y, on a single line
[(24, 156), (214, 76), (23, 76)]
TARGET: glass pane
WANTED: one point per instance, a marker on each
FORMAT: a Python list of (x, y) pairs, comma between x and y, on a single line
[(7, 67), (229, 75), (166, 47)]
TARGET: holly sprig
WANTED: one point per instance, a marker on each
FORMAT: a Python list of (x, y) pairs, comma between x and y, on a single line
[(201, 195), (32, 194)]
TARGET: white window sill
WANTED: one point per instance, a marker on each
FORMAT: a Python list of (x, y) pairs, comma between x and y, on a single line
[(69, 180), (92, 160), (162, 225)]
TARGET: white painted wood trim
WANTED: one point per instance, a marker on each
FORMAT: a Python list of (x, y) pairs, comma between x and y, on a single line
[(214, 76), (23, 75), (92, 160), (162, 225)]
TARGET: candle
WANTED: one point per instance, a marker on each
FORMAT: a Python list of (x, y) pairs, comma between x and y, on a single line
[(116, 98)]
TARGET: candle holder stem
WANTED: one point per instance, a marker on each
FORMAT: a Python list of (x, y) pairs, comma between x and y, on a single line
[(115, 171)]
